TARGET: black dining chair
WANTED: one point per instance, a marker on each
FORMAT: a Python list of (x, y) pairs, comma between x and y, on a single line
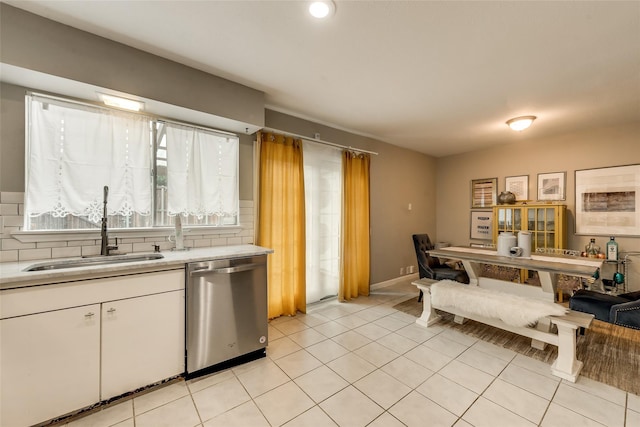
[(430, 267)]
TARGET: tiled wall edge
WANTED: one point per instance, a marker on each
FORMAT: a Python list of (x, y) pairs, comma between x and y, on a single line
[(12, 250)]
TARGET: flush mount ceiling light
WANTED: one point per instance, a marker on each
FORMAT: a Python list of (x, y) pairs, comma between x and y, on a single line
[(521, 123), (118, 102), (322, 9)]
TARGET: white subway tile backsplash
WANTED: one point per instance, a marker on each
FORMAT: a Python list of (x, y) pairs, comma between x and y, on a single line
[(202, 243), (90, 250), (8, 256), (41, 245), (12, 217), (33, 254), (6, 232), (11, 197), (142, 247), (68, 252), (9, 244), (13, 220), (135, 240), (221, 241), (234, 240), (83, 242), (126, 248), (9, 209)]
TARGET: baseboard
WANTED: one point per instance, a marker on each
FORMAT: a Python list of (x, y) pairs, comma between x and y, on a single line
[(391, 282)]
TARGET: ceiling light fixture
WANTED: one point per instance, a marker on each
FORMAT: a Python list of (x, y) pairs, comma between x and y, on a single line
[(118, 102), (322, 9), (521, 123)]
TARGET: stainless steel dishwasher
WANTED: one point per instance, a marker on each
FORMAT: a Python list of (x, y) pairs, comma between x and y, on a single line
[(226, 313)]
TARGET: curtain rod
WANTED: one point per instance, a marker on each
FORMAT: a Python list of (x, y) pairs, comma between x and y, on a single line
[(306, 138)]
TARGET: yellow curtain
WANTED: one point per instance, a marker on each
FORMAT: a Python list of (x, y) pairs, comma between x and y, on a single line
[(354, 277), (281, 222)]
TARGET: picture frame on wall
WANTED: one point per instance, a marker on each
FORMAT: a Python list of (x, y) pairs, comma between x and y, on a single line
[(608, 201), (484, 192), (481, 225), (518, 185), (551, 186)]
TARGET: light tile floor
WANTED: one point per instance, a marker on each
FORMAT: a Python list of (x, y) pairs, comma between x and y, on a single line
[(364, 363)]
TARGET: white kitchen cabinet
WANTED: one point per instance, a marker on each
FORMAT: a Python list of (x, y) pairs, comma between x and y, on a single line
[(142, 341), (62, 349), (50, 364)]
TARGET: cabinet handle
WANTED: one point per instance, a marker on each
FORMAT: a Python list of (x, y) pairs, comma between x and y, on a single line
[(89, 315), (111, 310)]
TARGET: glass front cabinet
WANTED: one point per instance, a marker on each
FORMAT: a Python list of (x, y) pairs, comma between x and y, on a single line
[(546, 223)]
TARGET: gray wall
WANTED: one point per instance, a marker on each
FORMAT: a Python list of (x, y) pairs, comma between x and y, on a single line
[(12, 120), (36, 43), (591, 148)]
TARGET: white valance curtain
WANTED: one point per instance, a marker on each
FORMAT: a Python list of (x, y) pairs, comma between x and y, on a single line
[(202, 172), (75, 150)]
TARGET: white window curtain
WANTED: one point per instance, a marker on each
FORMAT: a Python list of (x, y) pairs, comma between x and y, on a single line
[(323, 201), (202, 172), (75, 150)]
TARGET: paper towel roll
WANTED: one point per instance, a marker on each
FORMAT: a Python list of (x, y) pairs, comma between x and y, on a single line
[(524, 242)]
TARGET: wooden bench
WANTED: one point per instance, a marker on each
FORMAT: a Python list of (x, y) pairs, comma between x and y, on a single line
[(555, 330)]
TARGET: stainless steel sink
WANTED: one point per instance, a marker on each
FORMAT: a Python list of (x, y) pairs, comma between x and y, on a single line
[(97, 260)]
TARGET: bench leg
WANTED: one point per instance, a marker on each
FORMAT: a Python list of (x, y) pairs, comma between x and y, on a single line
[(459, 319), (429, 315), (566, 366), (543, 325)]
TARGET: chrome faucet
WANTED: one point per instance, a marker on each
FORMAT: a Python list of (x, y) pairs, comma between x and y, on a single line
[(104, 247)]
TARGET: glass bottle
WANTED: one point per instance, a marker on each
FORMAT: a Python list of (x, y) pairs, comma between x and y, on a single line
[(612, 249), (592, 249)]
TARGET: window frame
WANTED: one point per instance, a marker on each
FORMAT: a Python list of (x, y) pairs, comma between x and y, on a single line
[(44, 235)]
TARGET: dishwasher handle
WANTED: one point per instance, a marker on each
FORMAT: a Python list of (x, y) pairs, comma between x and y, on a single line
[(225, 270)]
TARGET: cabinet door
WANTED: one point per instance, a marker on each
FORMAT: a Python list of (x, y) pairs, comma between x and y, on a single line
[(50, 364), (142, 341)]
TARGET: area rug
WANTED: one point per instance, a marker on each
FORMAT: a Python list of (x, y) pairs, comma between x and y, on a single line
[(611, 353)]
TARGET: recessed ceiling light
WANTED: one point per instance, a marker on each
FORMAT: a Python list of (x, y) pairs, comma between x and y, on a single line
[(521, 123), (322, 9), (124, 103)]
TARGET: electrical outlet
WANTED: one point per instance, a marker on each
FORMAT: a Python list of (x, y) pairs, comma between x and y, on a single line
[(402, 271), (410, 269)]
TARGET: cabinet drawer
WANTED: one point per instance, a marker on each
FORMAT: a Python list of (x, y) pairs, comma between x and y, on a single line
[(37, 299)]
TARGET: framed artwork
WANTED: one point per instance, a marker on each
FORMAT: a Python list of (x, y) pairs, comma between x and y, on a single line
[(518, 185), (482, 225), (551, 186), (484, 192), (608, 201)]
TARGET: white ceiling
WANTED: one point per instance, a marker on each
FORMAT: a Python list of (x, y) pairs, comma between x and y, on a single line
[(436, 77)]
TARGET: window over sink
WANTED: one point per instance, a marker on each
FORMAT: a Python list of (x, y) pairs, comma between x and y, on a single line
[(155, 169)]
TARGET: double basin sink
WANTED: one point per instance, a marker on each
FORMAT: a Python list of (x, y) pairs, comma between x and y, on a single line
[(92, 261)]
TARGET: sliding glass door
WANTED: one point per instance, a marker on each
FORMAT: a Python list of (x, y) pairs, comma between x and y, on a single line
[(323, 198)]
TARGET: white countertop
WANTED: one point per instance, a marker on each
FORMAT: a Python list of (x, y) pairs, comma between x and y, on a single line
[(12, 274)]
